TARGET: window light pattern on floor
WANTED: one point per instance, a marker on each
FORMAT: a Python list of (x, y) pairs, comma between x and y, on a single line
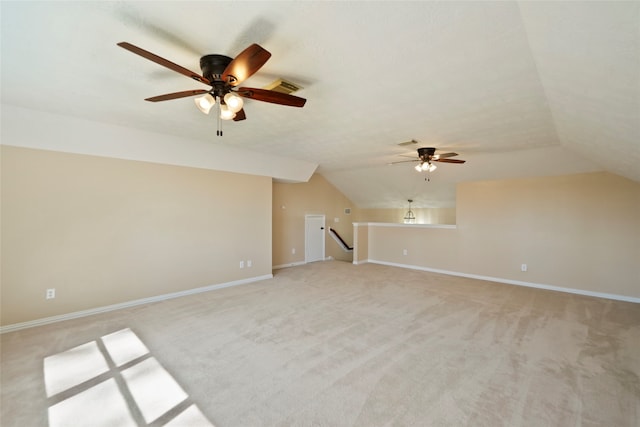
[(115, 380)]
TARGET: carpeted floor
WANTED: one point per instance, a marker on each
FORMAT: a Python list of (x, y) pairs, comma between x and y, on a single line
[(333, 344)]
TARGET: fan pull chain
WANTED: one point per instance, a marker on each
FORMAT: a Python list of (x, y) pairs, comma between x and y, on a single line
[(219, 130)]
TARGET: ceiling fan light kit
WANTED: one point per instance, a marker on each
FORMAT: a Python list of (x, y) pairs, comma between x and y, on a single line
[(426, 167), (223, 74)]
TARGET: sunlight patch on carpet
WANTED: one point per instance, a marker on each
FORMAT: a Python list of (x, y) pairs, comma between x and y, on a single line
[(115, 381)]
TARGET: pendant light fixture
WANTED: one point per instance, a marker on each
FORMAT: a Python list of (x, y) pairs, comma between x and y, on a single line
[(409, 217)]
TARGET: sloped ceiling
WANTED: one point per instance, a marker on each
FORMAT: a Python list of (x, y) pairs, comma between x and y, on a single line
[(516, 88)]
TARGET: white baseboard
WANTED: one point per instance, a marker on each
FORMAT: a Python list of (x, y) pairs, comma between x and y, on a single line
[(292, 264), (295, 264), (510, 281), (127, 304)]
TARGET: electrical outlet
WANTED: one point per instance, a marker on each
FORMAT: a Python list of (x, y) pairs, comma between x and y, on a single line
[(523, 267), (241, 264), (51, 293), (404, 252), (249, 263), (293, 251)]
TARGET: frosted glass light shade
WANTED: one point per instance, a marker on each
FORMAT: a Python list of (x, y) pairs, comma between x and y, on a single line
[(226, 113), (233, 101), (205, 102)]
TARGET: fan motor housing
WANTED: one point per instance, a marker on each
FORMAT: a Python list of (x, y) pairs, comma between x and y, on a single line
[(213, 66), (426, 153)]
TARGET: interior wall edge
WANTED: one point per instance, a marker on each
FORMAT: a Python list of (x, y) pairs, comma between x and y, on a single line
[(80, 136)]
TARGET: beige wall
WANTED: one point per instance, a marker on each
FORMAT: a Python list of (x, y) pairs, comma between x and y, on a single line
[(423, 215), (103, 231), (578, 231), (426, 247), (291, 202)]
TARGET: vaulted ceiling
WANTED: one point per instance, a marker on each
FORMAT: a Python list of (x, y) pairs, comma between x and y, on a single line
[(518, 89)]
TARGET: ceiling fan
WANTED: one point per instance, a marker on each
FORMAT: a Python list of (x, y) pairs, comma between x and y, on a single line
[(426, 155), (223, 74)]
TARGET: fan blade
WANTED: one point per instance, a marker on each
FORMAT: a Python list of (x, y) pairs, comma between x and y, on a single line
[(164, 62), (177, 95), (404, 161), (271, 96), (449, 160), (245, 64), (240, 115), (444, 155)]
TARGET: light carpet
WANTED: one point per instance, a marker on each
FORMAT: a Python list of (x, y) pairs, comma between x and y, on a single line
[(333, 344)]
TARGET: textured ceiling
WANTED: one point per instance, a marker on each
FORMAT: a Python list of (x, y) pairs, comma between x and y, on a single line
[(516, 88)]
